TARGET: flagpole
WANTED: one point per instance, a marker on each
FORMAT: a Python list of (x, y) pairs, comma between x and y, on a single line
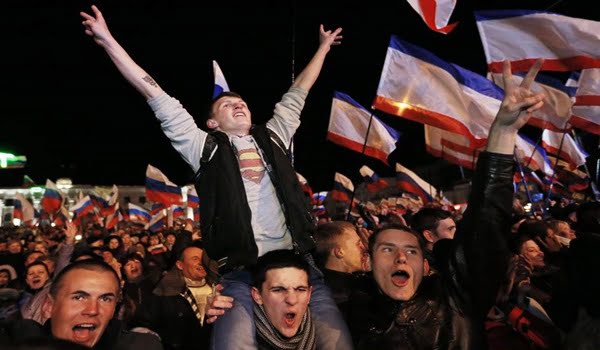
[(554, 168), (585, 167), (524, 182), (293, 43), (534, 149), (364, 148)]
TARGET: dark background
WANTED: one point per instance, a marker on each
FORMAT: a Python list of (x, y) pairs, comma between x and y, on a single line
[(70, 112)]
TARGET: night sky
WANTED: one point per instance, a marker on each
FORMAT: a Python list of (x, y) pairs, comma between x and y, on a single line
[(70, 112)]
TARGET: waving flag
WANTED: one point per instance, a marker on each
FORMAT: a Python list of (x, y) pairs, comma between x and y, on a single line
[(220, 82), (452, 147), (113, 219), (373, 181), (586, 110), (410, 182), (532, 156), (417, 85), (435, 13), (570, 151), (53, 198), (556, 111), (157, 223), (348, 125), (23, 210), (522, 36), (82, 207), (159, 189), (61, 217), (342, 188), (319, 197), (192, 198), (138, 214)]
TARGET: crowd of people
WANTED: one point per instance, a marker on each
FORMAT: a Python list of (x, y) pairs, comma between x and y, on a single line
[(260, 272)]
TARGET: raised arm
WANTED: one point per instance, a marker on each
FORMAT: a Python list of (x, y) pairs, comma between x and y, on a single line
[(95, 26), (309, 75)]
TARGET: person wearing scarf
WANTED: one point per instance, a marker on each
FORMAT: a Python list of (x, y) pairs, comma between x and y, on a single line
[(281, 293)]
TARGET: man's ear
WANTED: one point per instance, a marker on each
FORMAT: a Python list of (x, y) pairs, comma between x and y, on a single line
[(211, 123), (47, 306), (256, 296), (425, 267), (428, 236), (179, 264), (338, 252)]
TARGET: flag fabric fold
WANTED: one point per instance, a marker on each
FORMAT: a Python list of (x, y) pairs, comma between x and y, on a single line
[(452, 147), (348, 125), (343, 188), (373, 181), (586, 109), (532, 156), (23, 210), (53, 198)]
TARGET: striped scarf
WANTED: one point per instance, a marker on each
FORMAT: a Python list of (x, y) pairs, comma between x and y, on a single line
[(303, 340), (187, 294)]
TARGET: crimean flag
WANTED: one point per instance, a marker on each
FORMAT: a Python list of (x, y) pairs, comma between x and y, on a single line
[(586, 109), (220, 82), (349, 124), (570, 151), (159, 189), (419, 86), (410, 182), (523, 36), (52, 199)]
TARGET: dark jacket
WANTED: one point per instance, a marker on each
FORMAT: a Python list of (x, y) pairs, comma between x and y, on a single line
[(115, 337), (172, 316), (226, 227), (449, 308)]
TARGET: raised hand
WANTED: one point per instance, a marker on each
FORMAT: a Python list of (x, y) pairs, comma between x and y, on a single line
[(328, 37), (70, 232), (95, 26), (519, 101)]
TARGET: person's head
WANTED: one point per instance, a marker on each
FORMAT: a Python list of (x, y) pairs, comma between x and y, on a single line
[(282, 287), (82, 301), (526, 246), (49, 262), (433, 224), (170, 238), (33, 256), (190, 263), (229, 114), (14, 247), (126, 239), (7, 274), (562, 229), (339, 247), (41, 247), (154, 239), (133, 267), (107, 255), (36, 275), (397, 261), (113, 242)]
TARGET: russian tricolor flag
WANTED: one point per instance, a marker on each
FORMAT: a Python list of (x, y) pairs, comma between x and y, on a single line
[(83, 207), (113, 219), (410, 182), (53, 198), (348, 126), (23, 209), (138, 214), (319, 197), (157, 223), (373, 181), (192, 198), (523, 36), (160, 189), (220, 82), (417, 85), (342, 188)]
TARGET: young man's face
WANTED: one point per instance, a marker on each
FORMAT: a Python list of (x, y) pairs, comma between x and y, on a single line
[(83, 306), (445, 229), (353, 250), (133, 269), (230, 114), (284, 295), (398, 264)]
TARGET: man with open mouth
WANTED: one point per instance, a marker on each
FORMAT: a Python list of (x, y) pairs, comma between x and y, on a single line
[(401, 306)]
